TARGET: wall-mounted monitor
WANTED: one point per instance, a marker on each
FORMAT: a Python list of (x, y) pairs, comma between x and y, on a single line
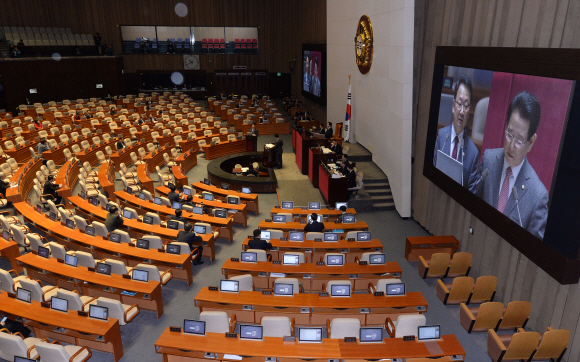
[(501, 142), (33, 90), (99, 85), (313, 78)]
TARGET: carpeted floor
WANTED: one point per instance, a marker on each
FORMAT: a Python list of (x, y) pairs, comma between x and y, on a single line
[(140, 335)]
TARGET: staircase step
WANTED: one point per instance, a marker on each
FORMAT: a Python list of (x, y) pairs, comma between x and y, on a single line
[(379, 192), (382, 198), (384, 206), (375, 180), (378, 185)]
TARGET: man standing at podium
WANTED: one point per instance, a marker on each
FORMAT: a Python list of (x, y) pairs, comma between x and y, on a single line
[(253, 131), (278, 150)]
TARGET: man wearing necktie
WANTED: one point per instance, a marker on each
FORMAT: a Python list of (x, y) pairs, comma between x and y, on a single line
[(509, 168), (453, 139)]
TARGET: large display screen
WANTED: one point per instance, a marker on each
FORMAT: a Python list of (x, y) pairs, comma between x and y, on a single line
[(314, 72), (496, 140)]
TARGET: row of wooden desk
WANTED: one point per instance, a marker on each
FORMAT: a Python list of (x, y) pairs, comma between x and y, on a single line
[(330, 214), (250, 199), (176, 346), (224, 148), (294, 225)]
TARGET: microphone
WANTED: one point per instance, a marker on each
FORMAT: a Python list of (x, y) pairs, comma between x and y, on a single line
[(483, 176), (515, 193)]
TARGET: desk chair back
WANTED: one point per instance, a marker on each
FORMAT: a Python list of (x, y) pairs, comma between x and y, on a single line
[(245, 282), (277, 326), (344, 327)]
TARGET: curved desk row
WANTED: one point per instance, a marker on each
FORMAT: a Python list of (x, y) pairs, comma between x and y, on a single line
[(239, 213), (250, 199), (311, 309), (144, 206), (101, 248), (330, 214), (106, 178), (137, 229), (147, 295), (312, 276), (314, 250), (224, 148), (270, 128), (177, 346), (329, 226), (67, 176), (66, 327), (24, 178)]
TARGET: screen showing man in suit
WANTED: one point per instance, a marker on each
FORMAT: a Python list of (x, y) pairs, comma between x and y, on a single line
[(306, 77), (311, 71), (453, 140), (511, 174), (499, 136)]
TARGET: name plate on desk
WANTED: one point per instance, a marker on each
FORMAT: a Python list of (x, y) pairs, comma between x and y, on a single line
[(175, 329), (91, 269), (320, 263), (231, 335), (235, 259), (45, 304), (379, 294), (268, 220), (289, 339), (215, 289), (317, 239), (351, 239), (362, 263), (277, 275), (349, 340), (323, 294), (266, 292), (82, 314)]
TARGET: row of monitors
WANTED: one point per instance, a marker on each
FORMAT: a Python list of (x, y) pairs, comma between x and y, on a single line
[(346, 218), (287, 289), (225, 186), (61, 305), (314, 334), (327, 236), (294, 259), (289, 205)]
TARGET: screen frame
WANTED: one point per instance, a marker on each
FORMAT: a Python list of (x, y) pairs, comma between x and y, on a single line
[(334, 255), (377, 328), (52, 306), (248, 253), (395, 295), (428, 339), (253, 326), (193, 333), (323, 65), (296, 232), (287, 208), (230, 281), (98, 306), (294, 255), (530, 61), (309, 328), (284, 295), (341, 285)]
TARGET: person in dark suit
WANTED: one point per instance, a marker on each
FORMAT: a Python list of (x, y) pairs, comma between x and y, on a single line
[(342, 212), (173, 196), (189, 201), (3, 186), (278, 144), (335, 147), (257, 243), (329, 132), (188, 236), (50, 188), (255, 170), (314, 225), (509, 168), (253, 131), (13, 326), (453, 139), (114, 219), (351, 175), (321, 129), (113, 112), (120, 144), (178, 217)]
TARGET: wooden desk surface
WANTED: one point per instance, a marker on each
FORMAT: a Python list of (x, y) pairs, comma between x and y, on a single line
[(384, 270), (9, 250), (25, 184), (300, 300), (164, 190), (287, 226), (302, 212), (285, 245), (224, 148), (67, 176), (216, 190), (106, 175), (441, 239), (177, 343), (84, 330)]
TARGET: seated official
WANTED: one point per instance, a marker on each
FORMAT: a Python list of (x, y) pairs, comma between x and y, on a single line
[(257, 243), (206, 211), (255, 170), (189, 201), (342, 212), (41, 147), (3, 186), (342, 168), (178, 217), (114, 219), (329, 132), (50, 188), (335, 147), (120, 144), (173, 195), (13, 326), (351, 175), (188, 236), (314, 225)]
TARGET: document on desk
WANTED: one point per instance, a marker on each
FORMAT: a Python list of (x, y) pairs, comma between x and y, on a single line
[(269, 145), (277, 275), (233, 356)]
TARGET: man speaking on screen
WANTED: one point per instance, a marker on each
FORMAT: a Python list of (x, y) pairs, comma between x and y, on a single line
[(307, 78), (512, 186), (453, 140)]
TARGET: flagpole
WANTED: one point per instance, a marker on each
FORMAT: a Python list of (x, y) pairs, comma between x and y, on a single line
[(346, 131)]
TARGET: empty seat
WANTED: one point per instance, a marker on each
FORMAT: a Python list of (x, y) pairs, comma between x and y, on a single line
[(339, 328), (405, 325), (277, 326), (218, 322)]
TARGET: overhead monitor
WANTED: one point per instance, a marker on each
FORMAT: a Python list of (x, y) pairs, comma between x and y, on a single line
[(99, 86), (340, 290), (314, 206), (289, 205), (232, 286), (33, 90), (251, 332), (429, 333), (249, 257), (284, 289), (71, 260), (310, 335), (98, 312), (313, 77), (296, 236), (140, 275), (59, 304), (291, 259), (334, 259), (194, 327)]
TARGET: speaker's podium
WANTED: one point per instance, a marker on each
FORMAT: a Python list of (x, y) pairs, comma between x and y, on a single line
[(268, 157), (251, 143)]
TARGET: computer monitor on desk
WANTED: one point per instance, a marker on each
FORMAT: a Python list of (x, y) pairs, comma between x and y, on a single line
[(198, 210), (335, 260), (283, 289), (310, 335), (340, 290), (246, 190), (43, 252), (339, 204), (142, 244), (232, 286), (59, 304), (376, 259), (173, 249), (173, 225), (70, 223), (140, 275), (199, 229), (429, 333), (314, 206), (194, 327), (251, 332), (98, 312), (279, 218), (114, 237), (157, 201), (176, 205), (296, 236), (348, 219), (265, 235), (24, 295), (103, 268), (71, 260), (147, 220), (249, 257), (395, 289), (127, 214), (289, 205), (371, 335), (89, 230), (291, 259), (363, 236), (186, 191), (330, 236), (207, 196), (221, 214)]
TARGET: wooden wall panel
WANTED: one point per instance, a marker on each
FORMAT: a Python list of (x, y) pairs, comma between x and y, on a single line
[(505, 23), (283, 26)]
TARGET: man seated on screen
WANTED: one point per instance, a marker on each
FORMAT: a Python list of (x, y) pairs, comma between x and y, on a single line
[(508, 167), (257, 243), (306, 79), (188, 236), (314, 225), (315, 84), (453, 139)]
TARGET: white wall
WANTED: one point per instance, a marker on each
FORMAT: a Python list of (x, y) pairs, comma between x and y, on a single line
[(381, 99)]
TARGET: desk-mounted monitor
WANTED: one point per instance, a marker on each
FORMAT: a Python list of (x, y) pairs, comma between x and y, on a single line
[(246, 190), (176, 205), (314, 206), (249, 257), (173, 249), (232, 200), (52, 216), (339, 204), (395, 289), (157, 201), (265, 235), (348, 218), (6, 235), (221, 214), (107, 207), (279, 218), (129, 190), (142, 244), (148, 220), (59, 304), (98, 312), (335, 259), (377, 259), (24, 359), (24, 295), (371, 335), (198, 210), (330, 236), (95, 201), (199, 229), (186, 191), (296, 236), (142, 196), (284, 289), (251, 331), (291, 259), (310, 335), (363, 236), (71, 260), (340, 290), (127, 214), (103, 268), (225, 186), (232, 286), (429, 333), (140, 275), (115, 237), (288, 205), (207, 196), (194, 327), (43, 252), (90, 230), (173, 225), (70, 223), (206, 182)]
